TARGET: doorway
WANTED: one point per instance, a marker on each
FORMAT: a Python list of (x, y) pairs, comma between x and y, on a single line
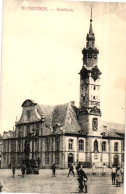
[(70, 159), (116, 160)]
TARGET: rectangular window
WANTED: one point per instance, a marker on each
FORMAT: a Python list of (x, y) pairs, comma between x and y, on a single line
[(81, 145), (12, 145), (116, 146), (70, 144), (57, 143), (94, 124), (37, 129), (28, 129), (123, 145), (57, 158), (37, 146), (47, 158), (4, 158), (104, 146), (19, 146), (47, 144)]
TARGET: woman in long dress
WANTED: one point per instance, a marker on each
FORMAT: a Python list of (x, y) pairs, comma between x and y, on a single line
[(118, 177)]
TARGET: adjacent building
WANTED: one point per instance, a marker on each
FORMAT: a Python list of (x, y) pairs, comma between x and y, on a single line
[(65, 134)]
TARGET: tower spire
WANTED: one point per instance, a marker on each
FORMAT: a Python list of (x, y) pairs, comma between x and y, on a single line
[(91, 12), (91, 29)]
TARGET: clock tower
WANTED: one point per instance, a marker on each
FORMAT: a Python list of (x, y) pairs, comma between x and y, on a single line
[(90, 113)]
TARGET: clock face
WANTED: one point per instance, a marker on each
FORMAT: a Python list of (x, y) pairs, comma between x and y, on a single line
[(95, 72)]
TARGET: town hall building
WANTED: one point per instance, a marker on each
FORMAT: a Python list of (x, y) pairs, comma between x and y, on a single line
[(65, 134)]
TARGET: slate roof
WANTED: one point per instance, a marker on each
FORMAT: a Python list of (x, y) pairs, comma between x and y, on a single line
[(114, 130), (114, 127), (45, 111), (59, 114)]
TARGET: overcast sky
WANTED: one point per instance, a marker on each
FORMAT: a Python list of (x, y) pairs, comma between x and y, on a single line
[(41, 55)]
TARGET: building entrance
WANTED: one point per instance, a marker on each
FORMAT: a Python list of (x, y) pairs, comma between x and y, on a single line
[(116, 160), (70, 159)]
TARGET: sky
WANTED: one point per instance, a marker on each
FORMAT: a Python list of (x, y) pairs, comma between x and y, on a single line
[(41, 55)]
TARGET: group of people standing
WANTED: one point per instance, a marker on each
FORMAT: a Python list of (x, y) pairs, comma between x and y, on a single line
[(94, 169), (117, 175)]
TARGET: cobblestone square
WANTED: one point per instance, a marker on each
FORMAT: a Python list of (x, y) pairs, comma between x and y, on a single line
[(45, 183)]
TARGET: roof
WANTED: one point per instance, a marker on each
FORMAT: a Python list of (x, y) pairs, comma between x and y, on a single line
[(59, 114), (45, 111), (61, 117), (114, 127)]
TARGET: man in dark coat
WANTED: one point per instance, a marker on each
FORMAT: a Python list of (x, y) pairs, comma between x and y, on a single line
[(71, 170), (53, 170), (23, 170), (82, 179), (13, 171)]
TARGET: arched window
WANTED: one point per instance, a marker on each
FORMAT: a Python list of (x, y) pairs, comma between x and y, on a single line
[(81, 145), (70, 144), (104, 146), (95, 145), (116, 147)]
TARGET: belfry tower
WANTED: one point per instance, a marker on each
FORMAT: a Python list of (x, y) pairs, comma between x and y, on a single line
[(89, 116)]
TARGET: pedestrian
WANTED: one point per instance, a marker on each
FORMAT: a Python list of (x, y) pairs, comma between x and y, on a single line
[(93, 169), (113, 174), (74, 168), (13, 171), (70, 170), (118, 177), (78, 167), (23, 170), (122, 172), (1, 187), (54, 170), (104, 170), (82, 179)]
